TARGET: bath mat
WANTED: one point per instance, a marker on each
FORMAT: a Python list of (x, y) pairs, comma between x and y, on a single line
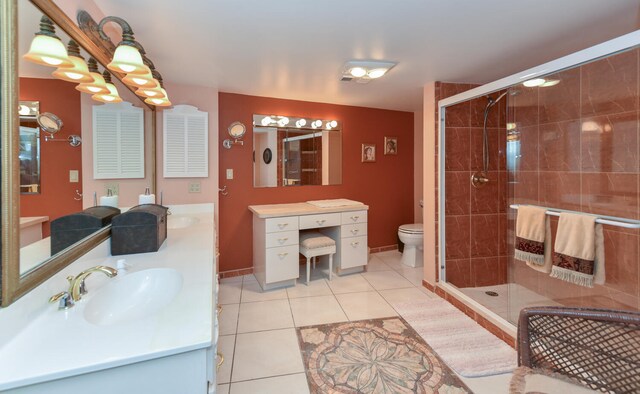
[(463, 344), (373, 356)]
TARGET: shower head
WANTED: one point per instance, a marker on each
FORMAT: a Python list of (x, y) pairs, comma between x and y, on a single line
[(493, 102)]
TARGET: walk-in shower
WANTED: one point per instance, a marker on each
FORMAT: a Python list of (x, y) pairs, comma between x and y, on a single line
[(569, 142)]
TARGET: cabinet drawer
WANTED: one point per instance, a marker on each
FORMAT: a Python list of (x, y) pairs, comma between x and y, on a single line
[(353, 230), (287, 223), (318, 221), (284, 238), (282, 263), (353, 252), (354, 217)]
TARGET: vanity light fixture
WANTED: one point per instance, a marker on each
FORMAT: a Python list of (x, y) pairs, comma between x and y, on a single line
[(146, 81), (283, 121), (99, 85), (316, 124), (78, 72), (294, 122), (127, 57), (112, 96), (46, 48), (363, 71), (266, 121), (163, 99), (301, 123)]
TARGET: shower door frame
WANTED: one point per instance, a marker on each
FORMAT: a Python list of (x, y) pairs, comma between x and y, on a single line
[(604, 49)]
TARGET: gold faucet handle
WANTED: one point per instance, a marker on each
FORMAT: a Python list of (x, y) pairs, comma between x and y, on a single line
[(57, 297)]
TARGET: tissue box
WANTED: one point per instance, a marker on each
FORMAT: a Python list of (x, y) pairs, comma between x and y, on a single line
[(67, 230), (141, 229)]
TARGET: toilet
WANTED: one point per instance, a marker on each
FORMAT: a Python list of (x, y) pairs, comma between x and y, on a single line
[(411, 236)]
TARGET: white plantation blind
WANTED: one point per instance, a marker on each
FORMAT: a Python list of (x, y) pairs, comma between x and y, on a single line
[(185, 142), (118, 141)]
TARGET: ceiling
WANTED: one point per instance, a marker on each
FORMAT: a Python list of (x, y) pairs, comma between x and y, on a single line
[(296, 48)]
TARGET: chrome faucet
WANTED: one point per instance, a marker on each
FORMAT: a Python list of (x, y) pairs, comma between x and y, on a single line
[(77, 287)]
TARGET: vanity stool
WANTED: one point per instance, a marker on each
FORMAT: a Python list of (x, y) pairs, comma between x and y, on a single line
[(314, 244)]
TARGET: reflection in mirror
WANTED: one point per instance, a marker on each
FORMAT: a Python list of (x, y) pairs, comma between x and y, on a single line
[(292, 151), (29, 148)]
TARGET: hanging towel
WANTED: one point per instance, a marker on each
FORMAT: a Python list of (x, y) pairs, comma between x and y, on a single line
[(579, 250), (533, 238)]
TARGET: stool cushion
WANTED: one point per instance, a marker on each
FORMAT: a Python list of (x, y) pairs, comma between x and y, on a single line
[(315, 241)]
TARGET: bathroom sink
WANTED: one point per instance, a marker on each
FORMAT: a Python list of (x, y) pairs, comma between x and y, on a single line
[(181, 221), (133, 296)]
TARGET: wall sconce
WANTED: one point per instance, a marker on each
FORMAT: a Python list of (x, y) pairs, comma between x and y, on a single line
[(236, 130), (46, 48)]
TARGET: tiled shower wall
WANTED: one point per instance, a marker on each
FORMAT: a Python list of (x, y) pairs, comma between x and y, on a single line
[(579, 150), (476, 221)]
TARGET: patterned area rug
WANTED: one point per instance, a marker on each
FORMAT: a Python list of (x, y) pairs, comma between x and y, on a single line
[(373, 356)]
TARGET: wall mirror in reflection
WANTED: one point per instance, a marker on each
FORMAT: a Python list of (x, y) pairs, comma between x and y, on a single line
[(295, 151)]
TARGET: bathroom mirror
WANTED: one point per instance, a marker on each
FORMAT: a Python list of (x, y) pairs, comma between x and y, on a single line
[(294, 151), (66, 183)]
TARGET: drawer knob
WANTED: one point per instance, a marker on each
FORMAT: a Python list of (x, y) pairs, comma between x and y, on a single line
[(320, 222), (354, 231), (282, 225), (354, 218), (282, 254), (354, 244), (282, 240)]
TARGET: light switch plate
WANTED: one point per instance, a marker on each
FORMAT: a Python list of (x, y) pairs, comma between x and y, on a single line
[(229, 173), (194, 187), (114, 187), (73, 176)]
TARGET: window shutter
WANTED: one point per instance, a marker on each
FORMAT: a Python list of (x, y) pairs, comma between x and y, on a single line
[(185, 142), (118, 141)]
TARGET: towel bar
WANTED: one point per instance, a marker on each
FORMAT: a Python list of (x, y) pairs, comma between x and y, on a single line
[(610, 220)]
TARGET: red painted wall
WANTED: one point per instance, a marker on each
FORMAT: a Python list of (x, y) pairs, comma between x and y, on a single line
[(56, 158), (386, 185)]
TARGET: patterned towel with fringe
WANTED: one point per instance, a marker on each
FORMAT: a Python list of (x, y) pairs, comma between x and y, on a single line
[(533, 238), (578, 255)]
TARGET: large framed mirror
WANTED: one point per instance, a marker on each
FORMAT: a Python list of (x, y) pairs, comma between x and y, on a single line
[(296, 151), (52, 150)]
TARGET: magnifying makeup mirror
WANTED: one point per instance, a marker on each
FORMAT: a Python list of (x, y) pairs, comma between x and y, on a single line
[(236, 130), (52, 124)]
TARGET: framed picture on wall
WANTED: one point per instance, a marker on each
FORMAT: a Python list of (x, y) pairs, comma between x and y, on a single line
[(368, 153), (390, 145)]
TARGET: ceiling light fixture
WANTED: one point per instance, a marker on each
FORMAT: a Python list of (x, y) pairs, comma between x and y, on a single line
[(532, 83), (99, 85), (46, 48), (363, 71), (112, 96), (78, 72)]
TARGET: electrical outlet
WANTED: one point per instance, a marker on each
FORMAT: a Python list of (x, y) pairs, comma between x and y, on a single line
[(229, 173), (114, 187), (194, 187), (73, 176)]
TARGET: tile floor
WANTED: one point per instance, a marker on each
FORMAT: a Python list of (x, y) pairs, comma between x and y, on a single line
[(258, 327)]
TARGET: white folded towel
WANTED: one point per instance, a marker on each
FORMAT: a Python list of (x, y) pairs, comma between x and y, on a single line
[(533, 238), (579, 250)]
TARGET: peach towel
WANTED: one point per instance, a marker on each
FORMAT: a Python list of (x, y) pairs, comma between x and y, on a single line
[(579, 250), (533, 238)]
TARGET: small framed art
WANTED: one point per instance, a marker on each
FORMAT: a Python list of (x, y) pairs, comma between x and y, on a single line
[(368, 153), (390, 145)]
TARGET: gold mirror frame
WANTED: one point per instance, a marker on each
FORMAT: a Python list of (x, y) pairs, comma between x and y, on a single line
[(13, 286)]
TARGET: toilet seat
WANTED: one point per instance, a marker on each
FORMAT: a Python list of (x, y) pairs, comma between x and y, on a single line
[(415, 228)]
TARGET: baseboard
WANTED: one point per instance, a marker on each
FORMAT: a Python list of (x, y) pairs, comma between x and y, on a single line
[(233, 273), (428, 286), (384, 248)]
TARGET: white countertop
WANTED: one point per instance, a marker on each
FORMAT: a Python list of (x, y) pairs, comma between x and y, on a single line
[(57, 344), (301, 208)]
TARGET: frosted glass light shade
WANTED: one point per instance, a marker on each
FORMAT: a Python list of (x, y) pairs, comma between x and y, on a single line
[(159, 102), (98, 86), (111, 97), (141, 80), (127, 59), (48, 51), (78, 73), (156, 93)]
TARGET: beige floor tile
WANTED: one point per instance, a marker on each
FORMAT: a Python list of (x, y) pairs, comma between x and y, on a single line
[(403, 295), (249, 278), (428, 292), (225, 347), (233, 279), (413, 275), (264, 315), (310, 311), (315, 288), (383, 280), (222, 389), (228, 319), (229, 293), (391, 258), (252, 292), (349, 284), (266, 353), (368, 305), (376, 264), (287, 384)]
